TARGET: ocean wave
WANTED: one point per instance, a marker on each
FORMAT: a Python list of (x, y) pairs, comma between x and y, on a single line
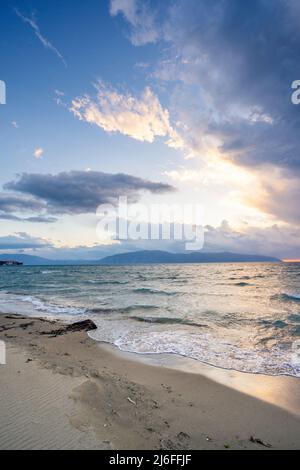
[(148, 290), (52, 271), (13, 303), (296, 330), (203, 346), (128, 309), (53, 309), (253, 336), (293, 297), (294, 318), (242, 278), (279, 324), (100, 282), (167, 320)]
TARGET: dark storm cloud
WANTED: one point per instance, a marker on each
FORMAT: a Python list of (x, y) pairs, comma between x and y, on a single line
[(37, 219), (40, 220), (228, 69), (238, 60), (10, 204), (79, 192)]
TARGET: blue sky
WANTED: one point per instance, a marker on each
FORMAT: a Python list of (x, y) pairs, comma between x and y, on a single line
[(94, 47), (192, 95)]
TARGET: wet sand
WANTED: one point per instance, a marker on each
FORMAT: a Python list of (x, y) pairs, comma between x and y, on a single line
[(66, 391)]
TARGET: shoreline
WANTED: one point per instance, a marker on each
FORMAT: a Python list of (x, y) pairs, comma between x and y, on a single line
[(108, 400), (282, 391)]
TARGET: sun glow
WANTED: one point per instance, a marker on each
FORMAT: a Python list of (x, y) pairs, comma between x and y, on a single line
[(291, 260)]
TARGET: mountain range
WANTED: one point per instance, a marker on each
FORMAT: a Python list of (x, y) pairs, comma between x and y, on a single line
[(147, 257)]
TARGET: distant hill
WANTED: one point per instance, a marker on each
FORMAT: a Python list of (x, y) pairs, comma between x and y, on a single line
[(29, 259), (145, 257), (163, 257)]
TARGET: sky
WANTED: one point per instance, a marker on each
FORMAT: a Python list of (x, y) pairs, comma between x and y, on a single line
[(175, 102)]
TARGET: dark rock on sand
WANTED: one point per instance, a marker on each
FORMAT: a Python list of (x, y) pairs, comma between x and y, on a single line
[(85, 325)]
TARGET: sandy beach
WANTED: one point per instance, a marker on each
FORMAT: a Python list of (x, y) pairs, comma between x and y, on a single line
[(62, 390)]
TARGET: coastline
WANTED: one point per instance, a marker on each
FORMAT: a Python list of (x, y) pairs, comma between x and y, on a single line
[(282, 391), (68, 391)]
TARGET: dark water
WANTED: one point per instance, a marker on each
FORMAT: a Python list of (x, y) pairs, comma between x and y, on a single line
[(238, 316)]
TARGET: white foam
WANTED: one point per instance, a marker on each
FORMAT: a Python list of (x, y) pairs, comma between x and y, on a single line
[(202, 346), (32, 306)]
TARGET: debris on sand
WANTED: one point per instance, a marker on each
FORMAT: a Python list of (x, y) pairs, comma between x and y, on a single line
[(131, 401), (259, 441)]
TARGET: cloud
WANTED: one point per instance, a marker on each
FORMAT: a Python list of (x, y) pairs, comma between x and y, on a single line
[(12, 204), (228, 70), (184, 175), (22, 241), (278, 193), (32, 22), (274, 240), (58, 98), (140, 17), (38, 153), (36, 219), (247, 240), (19, 203), (222, 57), (79, 192), (40, 219), (142, 119)]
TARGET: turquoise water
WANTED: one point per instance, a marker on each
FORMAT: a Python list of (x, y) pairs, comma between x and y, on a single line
[(237, 316)]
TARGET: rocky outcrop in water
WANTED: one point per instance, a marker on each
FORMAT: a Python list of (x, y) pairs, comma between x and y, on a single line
[(10, 263)]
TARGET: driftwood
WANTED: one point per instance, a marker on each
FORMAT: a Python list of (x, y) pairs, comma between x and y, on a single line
[(259, 441)]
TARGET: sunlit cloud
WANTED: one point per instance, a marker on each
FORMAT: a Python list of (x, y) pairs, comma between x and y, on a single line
[(141, 118), (210, 117), (269, 239), (231, 97), (38, 153), (277, 193)]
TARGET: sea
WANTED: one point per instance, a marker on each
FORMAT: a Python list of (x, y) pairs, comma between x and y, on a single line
[(243, 317)]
